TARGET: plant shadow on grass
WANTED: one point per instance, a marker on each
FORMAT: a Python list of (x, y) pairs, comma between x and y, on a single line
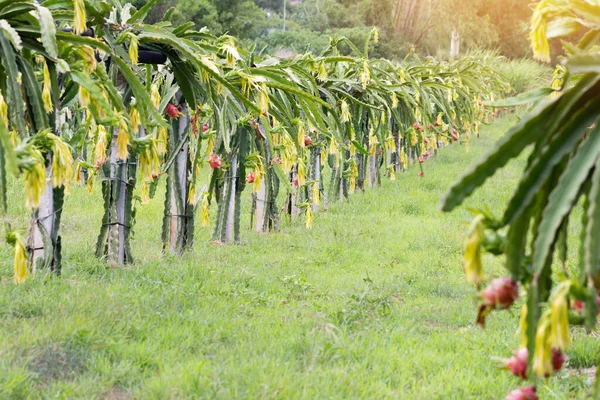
[(56, 362)]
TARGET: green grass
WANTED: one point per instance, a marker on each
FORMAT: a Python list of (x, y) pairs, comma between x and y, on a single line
[(371, 303)]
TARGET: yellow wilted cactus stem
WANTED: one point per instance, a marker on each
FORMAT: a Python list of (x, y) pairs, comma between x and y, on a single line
[(542, 359), (333, 149), (390, 143), (301, 172), (155, 96), (353, 175), (537, 36), (90, 123), (301, 133), (264, 98), (79, 20), (20, 260), (289, 152), (373, 142), (162, 136), (375, 33), (472, 251), (35, 179), (192, 193), (433, 141), (3, 111), (255, 163), (123, 140), (352, 150), (101, 143), (62, 163), (345, 114), (134, 117), (553, 330), (47, 88), (133, 48), (78, 168), (249, 81), (553, 18), (90, 181), (403, 157), (231, 53), (150, 162), (84, 97), (413, 137), (315, 193), (309, 218), (523, 325), (210, 144), (322, 72), (417, 112), (88, 55), (365, 76), (559, 308), (259, 173), (205, 210), (557, 80)]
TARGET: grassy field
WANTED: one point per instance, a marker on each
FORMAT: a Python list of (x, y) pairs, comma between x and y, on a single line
[(371, 303)]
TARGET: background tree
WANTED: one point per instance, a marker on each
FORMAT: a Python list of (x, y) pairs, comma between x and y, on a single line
[(511, 21), (425, 25)]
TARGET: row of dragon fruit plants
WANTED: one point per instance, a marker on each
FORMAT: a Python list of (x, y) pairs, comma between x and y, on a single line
[(89, 93)]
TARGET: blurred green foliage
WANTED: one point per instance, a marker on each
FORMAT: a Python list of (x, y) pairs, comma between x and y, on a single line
[(423, 25)]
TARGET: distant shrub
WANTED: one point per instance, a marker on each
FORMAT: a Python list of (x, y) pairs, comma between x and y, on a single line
[(524, 74), (521, 74), (303, 40)]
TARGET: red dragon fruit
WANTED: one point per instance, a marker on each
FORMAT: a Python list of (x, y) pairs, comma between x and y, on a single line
[(454, 134), (215, 161), (500, 294), (526, 393), (558, 359), (517, 364), (173, 111)]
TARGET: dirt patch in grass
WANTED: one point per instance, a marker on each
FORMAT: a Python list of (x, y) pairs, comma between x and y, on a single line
[(116, 394), (57, 362), (585, 372)]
